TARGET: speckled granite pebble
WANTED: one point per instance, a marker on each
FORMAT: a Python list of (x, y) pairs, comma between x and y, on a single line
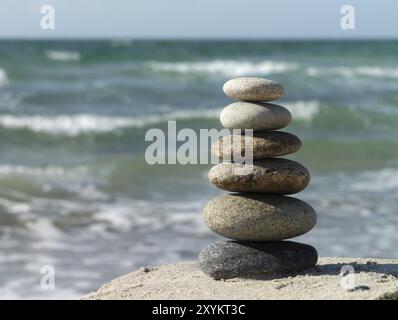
[(256, 116), (264, 145), (253, 89), (251, 217), (230, 259), (276, 176)]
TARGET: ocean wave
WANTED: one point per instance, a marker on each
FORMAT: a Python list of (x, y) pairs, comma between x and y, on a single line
[(65, 124), (79, 180), (3, 77), (127, 215), (63, 55), (225, 67), (351, 72), (36, 171), (122, 215), (121, 42), (73, 125), (304, 110), (375, 181)]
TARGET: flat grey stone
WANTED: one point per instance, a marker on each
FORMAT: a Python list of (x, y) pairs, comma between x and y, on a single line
[(253, 89), (271, 176), (264, 145), (256, 116), (231, 259), (250, 217)]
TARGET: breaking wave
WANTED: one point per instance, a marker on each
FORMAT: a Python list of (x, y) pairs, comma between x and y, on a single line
[(225, 67), (73, 125), (385, 179), (63, 55), (35, 171), (304, 110), (349, 72), (3, 77)]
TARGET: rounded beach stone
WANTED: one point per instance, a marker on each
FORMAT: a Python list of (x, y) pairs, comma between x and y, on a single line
[(253, 89), (256, 116), (265, 145), (274, 176), (231, 259), (251, 217)]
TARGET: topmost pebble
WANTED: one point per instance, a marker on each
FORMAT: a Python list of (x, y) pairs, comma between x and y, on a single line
[(253, 89)]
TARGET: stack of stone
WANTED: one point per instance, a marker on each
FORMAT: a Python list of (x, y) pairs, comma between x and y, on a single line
[(258, 216)]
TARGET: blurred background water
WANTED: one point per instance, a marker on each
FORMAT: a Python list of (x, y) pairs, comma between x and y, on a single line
[(76, 193)]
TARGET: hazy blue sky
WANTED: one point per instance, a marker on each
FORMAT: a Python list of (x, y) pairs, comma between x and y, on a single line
[(199, 18)]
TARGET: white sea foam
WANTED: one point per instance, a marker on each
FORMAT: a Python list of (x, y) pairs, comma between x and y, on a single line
[(121, 42), (50, 178), (384, 180), (62, 55), (145, 215), (33, 171), (73, 125), (64, 124), (225, 67), (3, 77), (44, 228), (378, 72), (303, 110), (350, 72)]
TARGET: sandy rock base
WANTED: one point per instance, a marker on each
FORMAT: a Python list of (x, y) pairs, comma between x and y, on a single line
[(373, 279)]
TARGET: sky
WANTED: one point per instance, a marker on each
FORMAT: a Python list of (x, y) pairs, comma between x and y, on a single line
[(203, 19)]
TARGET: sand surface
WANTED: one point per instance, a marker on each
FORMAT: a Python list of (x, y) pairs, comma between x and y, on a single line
[(373, 279)]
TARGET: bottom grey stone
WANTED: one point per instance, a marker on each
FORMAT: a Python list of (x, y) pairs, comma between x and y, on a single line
[(232, 259)]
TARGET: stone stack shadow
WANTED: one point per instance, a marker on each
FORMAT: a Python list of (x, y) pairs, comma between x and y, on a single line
[(258, 216)]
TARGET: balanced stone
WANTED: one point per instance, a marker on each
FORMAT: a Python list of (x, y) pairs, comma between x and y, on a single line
[(230, 259), (253, 89), (263, 145), (274, 176), (256, 116), (259, 218), (250, 217)]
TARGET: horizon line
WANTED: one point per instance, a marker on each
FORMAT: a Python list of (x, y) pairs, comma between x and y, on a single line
[(209, 39)]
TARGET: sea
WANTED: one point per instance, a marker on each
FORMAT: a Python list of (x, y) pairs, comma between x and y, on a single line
[(79, 205)]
